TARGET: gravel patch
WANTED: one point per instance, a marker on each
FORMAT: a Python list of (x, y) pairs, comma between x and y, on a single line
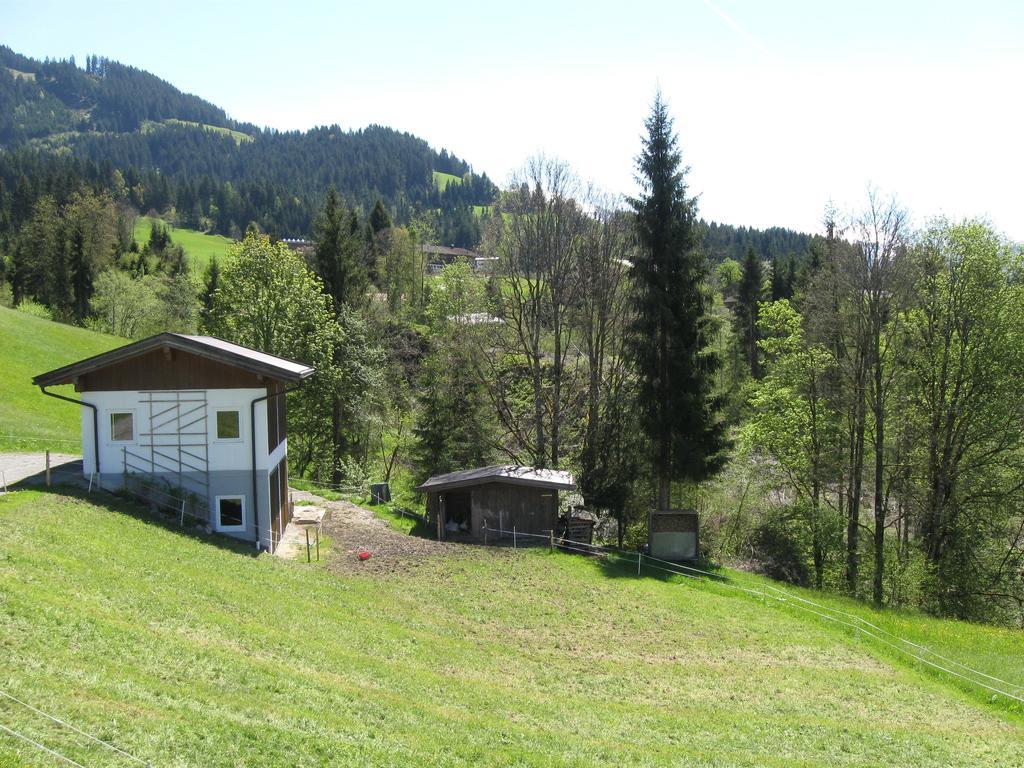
[(30, 467)]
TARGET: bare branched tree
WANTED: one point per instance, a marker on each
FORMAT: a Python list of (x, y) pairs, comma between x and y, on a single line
[(536, 231)]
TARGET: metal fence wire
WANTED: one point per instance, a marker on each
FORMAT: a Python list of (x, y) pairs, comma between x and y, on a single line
[(769, 594)]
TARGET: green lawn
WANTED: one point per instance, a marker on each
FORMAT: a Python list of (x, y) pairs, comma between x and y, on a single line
[(187, 651), (199, 247), (442, 180), (29, 421)]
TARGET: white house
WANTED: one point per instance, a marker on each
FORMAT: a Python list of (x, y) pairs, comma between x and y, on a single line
[(193, 417)]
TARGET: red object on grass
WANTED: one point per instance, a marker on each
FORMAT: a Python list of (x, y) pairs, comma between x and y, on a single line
[(364, 555)]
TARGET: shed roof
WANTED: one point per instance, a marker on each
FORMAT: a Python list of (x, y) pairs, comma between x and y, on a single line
[(204, 346), (502, 473)]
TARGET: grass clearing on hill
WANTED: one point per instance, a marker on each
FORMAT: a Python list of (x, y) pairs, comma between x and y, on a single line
[(199, 247), (188, 650), (442, 180), (30, 421)]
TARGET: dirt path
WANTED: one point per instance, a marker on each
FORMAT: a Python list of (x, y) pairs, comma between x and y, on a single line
[(353, 529)]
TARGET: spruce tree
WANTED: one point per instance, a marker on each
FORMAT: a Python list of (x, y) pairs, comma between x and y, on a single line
[(211, 281), (379, 218), (452, 430), (336, 256), (748, 295), (672, 332)]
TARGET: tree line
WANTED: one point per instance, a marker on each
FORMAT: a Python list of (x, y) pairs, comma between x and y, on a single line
[(846, 417)]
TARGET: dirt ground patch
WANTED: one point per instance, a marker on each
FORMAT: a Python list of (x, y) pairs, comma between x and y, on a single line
[(353, 529)]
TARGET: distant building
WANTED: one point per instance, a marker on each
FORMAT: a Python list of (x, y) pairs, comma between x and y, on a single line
[(300, 245), (194, 417), (439, 256)]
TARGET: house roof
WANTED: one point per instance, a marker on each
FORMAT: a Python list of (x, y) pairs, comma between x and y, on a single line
[(209, 347), (502, 473), (443, 250)]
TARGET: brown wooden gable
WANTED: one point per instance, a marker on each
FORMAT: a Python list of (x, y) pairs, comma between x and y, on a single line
[(168, 369)]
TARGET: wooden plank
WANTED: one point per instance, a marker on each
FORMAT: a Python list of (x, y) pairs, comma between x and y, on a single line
[(154, 371)]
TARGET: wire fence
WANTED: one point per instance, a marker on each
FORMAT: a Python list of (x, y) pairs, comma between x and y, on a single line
[(782, 597), (68, 726)]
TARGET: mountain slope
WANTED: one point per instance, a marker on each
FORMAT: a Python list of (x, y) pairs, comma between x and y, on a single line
[(190, 651), (177, 151)]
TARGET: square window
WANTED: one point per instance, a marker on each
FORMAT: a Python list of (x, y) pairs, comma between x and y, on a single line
[(230, 512), (122, 427), (228, 425)]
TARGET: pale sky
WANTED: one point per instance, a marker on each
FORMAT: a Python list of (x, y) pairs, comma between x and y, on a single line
[(780, 106)]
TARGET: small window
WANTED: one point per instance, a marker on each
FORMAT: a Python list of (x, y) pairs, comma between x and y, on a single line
[(122, 427), (230, 512), (228, 425)]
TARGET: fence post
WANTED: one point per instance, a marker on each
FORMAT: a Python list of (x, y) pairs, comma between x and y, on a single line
[(639, 555), (47, 467), (551, 541), (307, 544), (182, 523), (514, 544), (124, 468), (485, 533)]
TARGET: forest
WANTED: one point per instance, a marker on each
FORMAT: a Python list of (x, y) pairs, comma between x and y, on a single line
[(842, 408)]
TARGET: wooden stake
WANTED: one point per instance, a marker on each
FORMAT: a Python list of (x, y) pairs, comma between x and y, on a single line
[(551, 541), (47, 468)]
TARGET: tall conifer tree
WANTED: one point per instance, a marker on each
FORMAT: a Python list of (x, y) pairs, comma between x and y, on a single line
[(747, 296), (672, 332), (338, 261)]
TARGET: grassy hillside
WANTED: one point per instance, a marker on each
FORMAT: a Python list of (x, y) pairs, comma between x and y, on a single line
[(442, 180), (238, 136), (186, 651), (32, 346), (199, 247)]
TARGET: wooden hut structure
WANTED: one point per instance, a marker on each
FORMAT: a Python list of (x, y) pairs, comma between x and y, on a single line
[(500, 498)]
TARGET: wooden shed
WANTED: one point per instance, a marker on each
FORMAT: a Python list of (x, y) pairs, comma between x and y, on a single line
[(502, 498)]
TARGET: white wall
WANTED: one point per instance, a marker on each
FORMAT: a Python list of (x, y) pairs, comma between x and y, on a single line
[(224, 455)]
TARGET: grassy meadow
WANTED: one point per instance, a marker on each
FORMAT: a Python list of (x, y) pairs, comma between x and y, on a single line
[(199, 247), (442, 180), (30, 421), (238, 136), (188, 650)]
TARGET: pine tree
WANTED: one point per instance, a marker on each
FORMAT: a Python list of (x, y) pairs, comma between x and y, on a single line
[(337, 258), (379, 218), (747, 297), (670, 339), (452, 430), (211, 279)]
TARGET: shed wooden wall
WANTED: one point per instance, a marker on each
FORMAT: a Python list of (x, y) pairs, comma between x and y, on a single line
[(502, 505)]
